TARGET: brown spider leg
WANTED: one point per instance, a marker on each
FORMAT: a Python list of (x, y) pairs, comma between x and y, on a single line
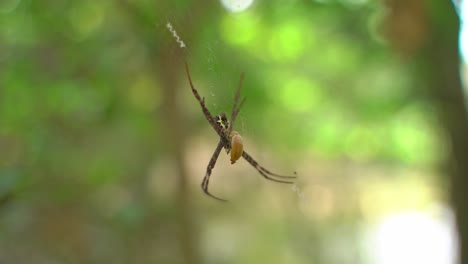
[(210, 167), (264, 172), (205, 110), (234, 116), (235, 110)]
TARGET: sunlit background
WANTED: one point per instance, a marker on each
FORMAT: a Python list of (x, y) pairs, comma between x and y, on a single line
[(103, 146)]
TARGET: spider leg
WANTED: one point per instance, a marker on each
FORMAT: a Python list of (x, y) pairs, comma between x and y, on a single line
[(235, 110), (234, 116), (201, 100), (236, 97), (210, 167), (264, 172)]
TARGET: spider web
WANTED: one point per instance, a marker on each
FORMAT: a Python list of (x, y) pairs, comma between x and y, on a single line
[(217, 82), (216, 78), (208, 72)]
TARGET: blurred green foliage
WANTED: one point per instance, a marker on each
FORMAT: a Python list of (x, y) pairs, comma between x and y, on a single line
[(85, 167)]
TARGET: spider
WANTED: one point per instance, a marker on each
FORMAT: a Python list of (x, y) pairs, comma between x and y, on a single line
[(229, 139)]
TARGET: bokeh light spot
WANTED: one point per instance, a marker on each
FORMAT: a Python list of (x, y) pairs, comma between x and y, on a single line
[(407, 237), (236, 5), (86, 19), (362, 143), (301, 95), (143, 94), (287, 41), (239, 29), (329, 128), (412, 137)]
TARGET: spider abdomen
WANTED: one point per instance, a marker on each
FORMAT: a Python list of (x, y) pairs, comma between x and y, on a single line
[(237, 146)]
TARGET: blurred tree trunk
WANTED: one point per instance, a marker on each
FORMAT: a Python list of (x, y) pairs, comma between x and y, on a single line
[(168, 62), (446, 92), (427, 33), (175, 133)]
